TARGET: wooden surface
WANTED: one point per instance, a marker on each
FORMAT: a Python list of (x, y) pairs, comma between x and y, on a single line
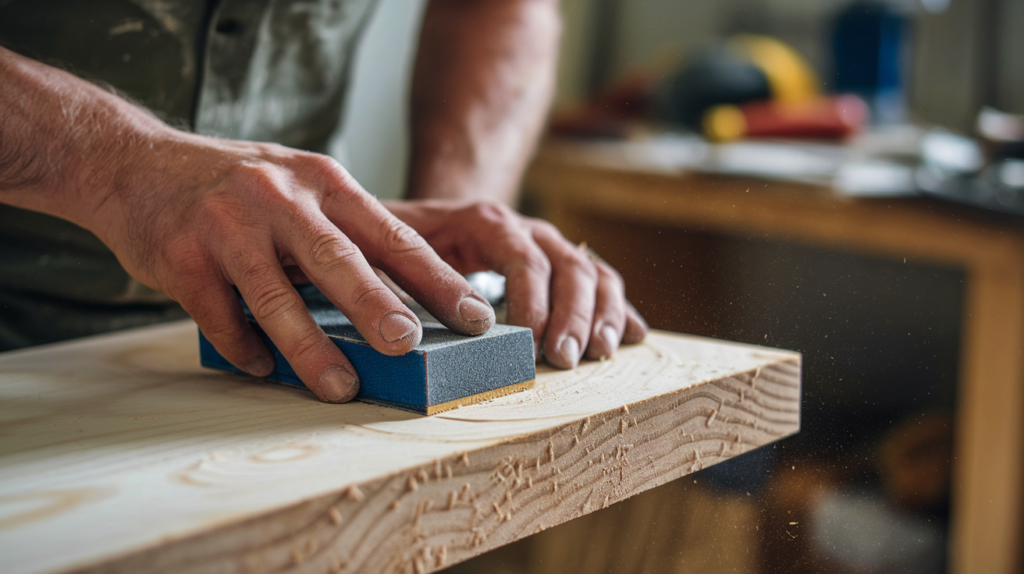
[(572, 184), (120, 454)]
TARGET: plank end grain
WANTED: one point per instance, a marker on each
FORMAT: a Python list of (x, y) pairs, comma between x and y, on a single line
[(251, 477)]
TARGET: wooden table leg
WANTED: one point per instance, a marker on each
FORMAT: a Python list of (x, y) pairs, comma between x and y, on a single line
[(989, 449)]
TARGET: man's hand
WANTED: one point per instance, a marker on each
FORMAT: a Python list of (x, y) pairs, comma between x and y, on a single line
[(572, 301), (482, 83), (193, 216)]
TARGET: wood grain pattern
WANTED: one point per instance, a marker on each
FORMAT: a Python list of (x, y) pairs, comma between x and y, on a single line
[(119, 454), (572, 181)]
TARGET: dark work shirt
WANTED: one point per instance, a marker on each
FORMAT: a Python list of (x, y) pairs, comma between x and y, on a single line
[(260, 70)]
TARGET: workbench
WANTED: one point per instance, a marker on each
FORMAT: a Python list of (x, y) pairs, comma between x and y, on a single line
[(582, 186), (119, 453)]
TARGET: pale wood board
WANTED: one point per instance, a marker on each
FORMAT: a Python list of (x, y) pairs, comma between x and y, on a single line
[(120, 454), (572, 180)]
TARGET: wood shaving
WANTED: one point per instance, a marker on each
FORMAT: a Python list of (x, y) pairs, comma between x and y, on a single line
[(335, 515)]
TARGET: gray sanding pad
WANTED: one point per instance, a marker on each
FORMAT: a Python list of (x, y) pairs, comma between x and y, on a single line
[(443, 372)]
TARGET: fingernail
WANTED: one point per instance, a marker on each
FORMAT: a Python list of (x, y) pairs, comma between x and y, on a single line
[(260, 366), (569, 349), (337, 384), (611, 338), (472, 309), (395, 326)]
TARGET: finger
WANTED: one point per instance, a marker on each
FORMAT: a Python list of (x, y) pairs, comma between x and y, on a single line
[(573, 297), (219, 315), (494, 237), (284, 317), (609, 313), (390, 284), (527, 279), (398, 250), (337, 267), (636, 326), (487, 236)]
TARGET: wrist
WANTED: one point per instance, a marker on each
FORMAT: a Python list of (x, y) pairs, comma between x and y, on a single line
[(64, 143)]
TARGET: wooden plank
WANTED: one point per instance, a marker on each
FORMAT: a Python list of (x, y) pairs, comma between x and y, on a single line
[(120, 454), (988, 470)]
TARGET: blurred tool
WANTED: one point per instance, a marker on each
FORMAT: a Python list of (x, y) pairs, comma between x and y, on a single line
[(751, 86), (823, 118), (746, 69), (1003, 132), (954, 168), (870, 43)]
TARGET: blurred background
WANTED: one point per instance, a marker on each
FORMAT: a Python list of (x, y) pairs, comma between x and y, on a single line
[(841, 178)]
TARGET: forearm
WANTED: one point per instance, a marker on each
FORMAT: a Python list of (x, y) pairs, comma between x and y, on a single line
[(61, 139), (483, 80)]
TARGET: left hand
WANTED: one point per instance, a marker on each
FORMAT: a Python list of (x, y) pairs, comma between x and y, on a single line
[(574, 303)]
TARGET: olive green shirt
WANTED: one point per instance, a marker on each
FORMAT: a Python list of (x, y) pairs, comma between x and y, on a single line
[(260, 70)]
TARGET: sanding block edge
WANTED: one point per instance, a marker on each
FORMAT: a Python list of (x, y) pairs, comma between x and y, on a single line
[(444, 372)]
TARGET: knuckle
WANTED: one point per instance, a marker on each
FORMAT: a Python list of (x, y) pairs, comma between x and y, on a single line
[(545, 228), (272, 301), (259, 176), (322, 165), (581, 317), (327, 168), (329, 251), (255, 188), (529, 261), (305, 344), (339, 182), (368, 290), (226, 333), (490, 212), (578, 260), (399, 237)]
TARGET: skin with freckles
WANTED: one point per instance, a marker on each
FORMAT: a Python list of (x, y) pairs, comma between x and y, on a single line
[(195, 216)]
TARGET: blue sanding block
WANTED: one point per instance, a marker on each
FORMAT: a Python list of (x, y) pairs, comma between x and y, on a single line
[(445, 371)]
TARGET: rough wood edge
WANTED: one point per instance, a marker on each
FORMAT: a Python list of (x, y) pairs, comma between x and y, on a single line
[(428, 517)]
